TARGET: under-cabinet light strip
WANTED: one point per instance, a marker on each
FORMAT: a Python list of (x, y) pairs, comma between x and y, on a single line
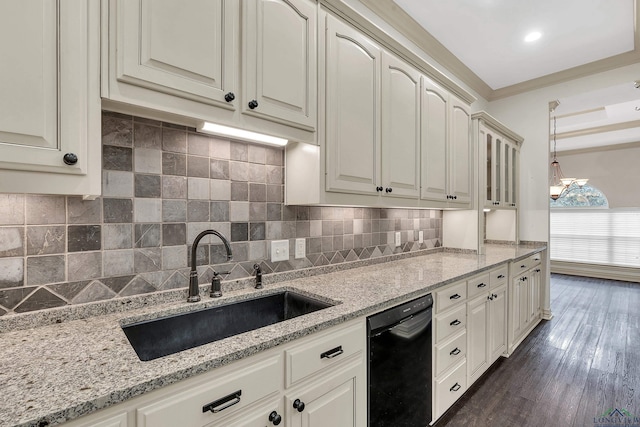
[(220, 130)]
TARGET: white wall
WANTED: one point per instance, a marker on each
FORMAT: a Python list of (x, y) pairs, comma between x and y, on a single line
[(528, 115), (615, 172)]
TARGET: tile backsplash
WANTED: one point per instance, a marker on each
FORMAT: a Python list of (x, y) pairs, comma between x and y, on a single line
[(162, 184)]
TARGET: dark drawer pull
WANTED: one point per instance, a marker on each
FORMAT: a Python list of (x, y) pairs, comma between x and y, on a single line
[(455, 296), (501, 276), (455, 323), (224, 403), (482, 285), (334, 352), (455, 387), (455, 352), (537, 270), (536, 259), (523, 266)]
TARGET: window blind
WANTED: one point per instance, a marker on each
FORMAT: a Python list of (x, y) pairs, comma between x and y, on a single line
[(610, 237)]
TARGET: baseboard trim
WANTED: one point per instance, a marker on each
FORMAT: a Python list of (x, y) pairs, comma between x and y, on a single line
[(600, 271)]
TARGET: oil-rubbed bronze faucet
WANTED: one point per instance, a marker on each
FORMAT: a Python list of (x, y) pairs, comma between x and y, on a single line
[(194, 291)]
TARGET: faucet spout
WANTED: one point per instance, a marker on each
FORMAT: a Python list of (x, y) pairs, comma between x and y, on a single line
[(194, 291)]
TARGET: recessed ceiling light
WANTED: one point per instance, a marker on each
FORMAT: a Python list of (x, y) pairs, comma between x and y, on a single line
[(533, 36)]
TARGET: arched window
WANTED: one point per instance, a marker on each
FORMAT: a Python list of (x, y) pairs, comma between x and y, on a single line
[(585, 197)]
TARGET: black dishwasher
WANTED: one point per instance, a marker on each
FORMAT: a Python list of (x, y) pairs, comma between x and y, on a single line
[(399, 365)]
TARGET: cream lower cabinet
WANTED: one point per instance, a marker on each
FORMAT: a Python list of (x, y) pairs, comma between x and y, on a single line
[(50, 103), (319, 380), (524, 299), (487, 321), (450, 346), (249, 64)]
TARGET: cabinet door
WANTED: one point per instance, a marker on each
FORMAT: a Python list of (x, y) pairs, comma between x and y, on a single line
[(50, 103), (256, 416), (515, 309), (460, 153), (534, 294), (331, 403), (478, 336), (279, 60), (186, 48), (352, 109), (400, 128), (497, 323), (435, 132), (486, 147)]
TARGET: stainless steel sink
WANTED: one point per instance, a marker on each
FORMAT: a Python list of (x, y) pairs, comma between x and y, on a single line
[(160, 337)]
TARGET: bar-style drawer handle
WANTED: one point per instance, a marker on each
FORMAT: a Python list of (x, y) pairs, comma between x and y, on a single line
[(334, 352), (501, 276), (224, 403), (455, 323), (455, 387), (455, 352), (482, 285), (454, 296)]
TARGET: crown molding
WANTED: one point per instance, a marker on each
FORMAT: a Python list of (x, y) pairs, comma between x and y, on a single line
[(599, 149), (497, 125), (599, 129), (408, 27)]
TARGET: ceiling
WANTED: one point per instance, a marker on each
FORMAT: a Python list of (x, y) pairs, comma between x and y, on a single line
[(488, 35), (482, 43)]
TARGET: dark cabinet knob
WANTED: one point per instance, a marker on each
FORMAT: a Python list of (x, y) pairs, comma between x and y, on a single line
[(455, 197), (298, 405), (495, 295), (70, 159), (388, 189), (229, 97), (490, 297), (379, 188), (275, 418), (253, 104)]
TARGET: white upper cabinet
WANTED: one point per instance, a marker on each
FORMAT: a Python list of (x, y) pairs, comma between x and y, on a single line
[(280, 60), (400, 128), (446, 148), (50, 104), (250, 64), (499, 154), (352, 136), (186, 49)]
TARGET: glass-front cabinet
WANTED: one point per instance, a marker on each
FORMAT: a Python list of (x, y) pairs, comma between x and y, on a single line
[(499, 148)]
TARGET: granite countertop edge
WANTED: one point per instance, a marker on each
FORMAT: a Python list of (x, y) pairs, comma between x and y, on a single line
[(374, 287)]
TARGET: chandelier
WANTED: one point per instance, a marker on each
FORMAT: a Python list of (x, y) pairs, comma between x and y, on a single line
[(559, 186)]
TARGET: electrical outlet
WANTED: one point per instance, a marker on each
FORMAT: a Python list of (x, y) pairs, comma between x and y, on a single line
[(301, 248), (420, 236), (279, 250), (398, 239)]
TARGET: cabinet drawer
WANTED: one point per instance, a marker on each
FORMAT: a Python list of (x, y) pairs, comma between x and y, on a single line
[(534, 260), (323, 352), (240, 385), (450, 352), (450, 296), (450, 323), (520, 266), (477, 285), (498, 276), (450, 388)]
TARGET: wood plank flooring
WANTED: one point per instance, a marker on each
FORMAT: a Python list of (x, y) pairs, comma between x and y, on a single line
[(571, 369)]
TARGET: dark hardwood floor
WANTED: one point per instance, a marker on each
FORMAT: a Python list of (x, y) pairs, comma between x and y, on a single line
[(571, 369)]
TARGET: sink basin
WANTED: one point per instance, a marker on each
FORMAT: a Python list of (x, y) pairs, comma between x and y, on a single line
[(160, 337)]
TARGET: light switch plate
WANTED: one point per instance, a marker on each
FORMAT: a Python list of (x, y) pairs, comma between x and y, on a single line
[(420, 236), (279, 250), (398, 239), (301, 248)]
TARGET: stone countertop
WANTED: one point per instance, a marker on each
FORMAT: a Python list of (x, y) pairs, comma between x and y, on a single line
[(60, 372)]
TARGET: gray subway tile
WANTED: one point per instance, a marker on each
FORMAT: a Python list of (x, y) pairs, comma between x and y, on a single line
[(174, 164), (274, 156), (274, 193), (117, 129), (174, 140), (117, 158), (146, 136), (147, 160), (117, 184), (257, 154), (219, 148), (84, 211), (198, 210), (198, 166), (12, 241), (198, 188), (117, 210), (198, 144), (239, 191), (257, 230), (257, 211), (174, 234), (46, 239), (11, 272), (45, 269), (219, 169), (117, 236), (84, 265), (12, 209), (84, 238), (220, 189), (45, 209), (258, 173), (147, 185), (219, 211), (239, 151), (117, 263), (239, 232), (238, 171), (174, 187), (147, 235), (174, 257), (257, 192), (147, 259), (274, 212), (174, 210), (147, 210)]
